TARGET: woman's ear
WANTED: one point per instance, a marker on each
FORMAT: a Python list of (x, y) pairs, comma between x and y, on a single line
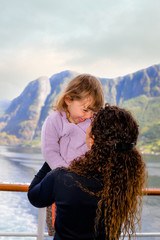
[(67, 100), (91, 141)]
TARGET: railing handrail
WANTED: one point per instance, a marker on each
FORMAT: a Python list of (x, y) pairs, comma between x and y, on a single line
[(14, 187), (23, 187), (151, 191)]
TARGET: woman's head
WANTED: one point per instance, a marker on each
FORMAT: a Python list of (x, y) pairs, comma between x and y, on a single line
[(84, 88), (113, 126), (115, 161)]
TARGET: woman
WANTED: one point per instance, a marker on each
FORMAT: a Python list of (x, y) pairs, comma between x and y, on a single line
[(98, 196)]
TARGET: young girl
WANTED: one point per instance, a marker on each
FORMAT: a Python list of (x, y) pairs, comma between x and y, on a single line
[(63, 135), (64, 131)]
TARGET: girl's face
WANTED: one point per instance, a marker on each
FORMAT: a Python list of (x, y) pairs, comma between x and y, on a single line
[(79, 109)]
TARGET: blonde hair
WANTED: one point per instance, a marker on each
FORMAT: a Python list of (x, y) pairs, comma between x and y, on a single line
[(81, 87)]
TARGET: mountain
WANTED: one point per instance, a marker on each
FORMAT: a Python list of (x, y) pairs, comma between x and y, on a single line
[(144, 82), (147, 112), (24, 117), (138, 92), (4, 103)]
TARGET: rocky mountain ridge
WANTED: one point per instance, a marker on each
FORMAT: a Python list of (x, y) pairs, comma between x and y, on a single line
[(24, 117)]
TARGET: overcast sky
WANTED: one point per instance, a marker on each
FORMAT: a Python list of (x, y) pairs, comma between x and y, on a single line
[(102, 37)]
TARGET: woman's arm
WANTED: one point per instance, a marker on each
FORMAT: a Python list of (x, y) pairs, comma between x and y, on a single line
[(40, 175), (41, 189)]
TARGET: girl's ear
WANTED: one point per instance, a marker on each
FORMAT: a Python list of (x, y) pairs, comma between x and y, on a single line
[(67, 100)]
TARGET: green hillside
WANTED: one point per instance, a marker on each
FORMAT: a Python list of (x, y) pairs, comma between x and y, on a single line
[(147, 112)]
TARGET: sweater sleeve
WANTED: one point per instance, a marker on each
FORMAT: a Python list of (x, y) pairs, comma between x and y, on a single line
[(50, 137), (41, 190)]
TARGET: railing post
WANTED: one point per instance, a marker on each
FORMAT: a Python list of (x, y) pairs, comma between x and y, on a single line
[(41, 224)]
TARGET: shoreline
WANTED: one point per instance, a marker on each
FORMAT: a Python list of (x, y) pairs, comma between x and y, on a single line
[(38, 148)]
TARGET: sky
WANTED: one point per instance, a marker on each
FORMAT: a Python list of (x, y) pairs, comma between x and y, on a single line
[(102, 37)]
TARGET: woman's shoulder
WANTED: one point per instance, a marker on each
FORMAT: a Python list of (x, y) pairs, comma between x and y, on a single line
[(63, 176), (92, 183), (59, 176), (53, 174), (62, 173), (58, 171)]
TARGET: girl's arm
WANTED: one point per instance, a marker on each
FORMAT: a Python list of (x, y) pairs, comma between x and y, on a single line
[(50, 136), (41, 189)]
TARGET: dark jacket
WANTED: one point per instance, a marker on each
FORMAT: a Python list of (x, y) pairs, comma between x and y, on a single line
[(75, 208)]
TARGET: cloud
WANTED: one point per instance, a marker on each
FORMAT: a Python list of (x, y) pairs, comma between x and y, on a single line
[(130, 32), (19, 68), (105, 38)]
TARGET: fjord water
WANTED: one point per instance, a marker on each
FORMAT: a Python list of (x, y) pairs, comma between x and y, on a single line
[(19, 165)]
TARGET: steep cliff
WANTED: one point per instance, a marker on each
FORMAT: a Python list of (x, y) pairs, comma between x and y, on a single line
[(138, 92)]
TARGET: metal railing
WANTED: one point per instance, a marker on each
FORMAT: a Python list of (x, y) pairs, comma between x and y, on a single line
[(40, 234)]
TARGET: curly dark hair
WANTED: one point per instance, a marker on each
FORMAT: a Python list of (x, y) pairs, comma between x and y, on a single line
[(121, 172)]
